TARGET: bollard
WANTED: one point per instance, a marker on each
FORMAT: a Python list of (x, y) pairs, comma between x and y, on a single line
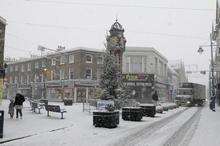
[(1, 123)]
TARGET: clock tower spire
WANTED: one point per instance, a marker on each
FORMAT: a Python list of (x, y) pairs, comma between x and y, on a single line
[(116, 42)]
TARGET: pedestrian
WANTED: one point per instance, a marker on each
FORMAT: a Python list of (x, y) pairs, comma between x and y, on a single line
[(18, 104), (155, 97), (212, 102), (11, 108)]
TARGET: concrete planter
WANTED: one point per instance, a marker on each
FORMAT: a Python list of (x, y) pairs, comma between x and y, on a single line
[(68, 102), (148, 110), (132, 113), (107, 119)]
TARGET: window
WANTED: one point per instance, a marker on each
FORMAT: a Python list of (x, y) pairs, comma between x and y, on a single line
[(53, 61), (22, 79), (71, 58), (29, 67), (62, 74), (36, 78), (11, 80), (16, 79), (136, 64), (11, 68), (127, 62), (22, 68), (99, 72), (145, 64), (16, 67), (43, 64), (99, 60), (71, 73), (36, 65), (62, 59), (88, 73), (88, 59), (28, 79)]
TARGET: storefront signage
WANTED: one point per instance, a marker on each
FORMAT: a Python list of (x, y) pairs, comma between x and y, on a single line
[(149, 78)]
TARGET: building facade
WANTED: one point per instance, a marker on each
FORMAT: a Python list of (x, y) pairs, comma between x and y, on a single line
[(216, 38), (2, 43), (68, 74), (151, 64)]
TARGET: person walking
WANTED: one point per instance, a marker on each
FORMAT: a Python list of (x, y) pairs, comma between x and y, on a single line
[(11, 108), (155, 97), (18, 104), (212, 103)]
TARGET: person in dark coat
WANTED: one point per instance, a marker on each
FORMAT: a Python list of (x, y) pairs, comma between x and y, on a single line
[(155, 97), (18, 104), (212, 103)]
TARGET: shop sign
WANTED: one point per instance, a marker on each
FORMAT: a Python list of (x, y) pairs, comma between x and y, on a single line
[(149, 78)]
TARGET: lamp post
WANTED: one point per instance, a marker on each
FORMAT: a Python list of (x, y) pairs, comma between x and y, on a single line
[(212, 78), (60, 48)]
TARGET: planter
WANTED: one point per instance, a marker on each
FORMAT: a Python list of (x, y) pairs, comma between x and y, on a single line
[(132, 113), (68, 102), (159, 109), (106, 119), (148, 110)]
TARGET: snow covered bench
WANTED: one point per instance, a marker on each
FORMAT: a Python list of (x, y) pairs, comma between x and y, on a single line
[(35, 105), (55, 108)]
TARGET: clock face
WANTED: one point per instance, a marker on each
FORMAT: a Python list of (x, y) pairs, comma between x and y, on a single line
[(114, 40)]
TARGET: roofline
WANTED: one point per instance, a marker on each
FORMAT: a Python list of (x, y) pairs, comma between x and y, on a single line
[(55, 54), (146, 49)]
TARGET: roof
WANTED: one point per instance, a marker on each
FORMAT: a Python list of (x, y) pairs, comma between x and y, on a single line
[(61, 52), (116, 26), (144, 49)]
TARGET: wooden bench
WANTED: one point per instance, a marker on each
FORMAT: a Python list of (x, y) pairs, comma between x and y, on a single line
[(35, 105), (55, 108)]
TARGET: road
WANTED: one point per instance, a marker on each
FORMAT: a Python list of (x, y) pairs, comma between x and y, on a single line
[(177, 129)]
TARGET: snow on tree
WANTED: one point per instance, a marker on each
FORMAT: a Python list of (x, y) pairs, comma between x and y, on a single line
[(112, 85), (110, 78)]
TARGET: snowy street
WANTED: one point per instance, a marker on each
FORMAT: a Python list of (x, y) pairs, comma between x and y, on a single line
[(185, 126)]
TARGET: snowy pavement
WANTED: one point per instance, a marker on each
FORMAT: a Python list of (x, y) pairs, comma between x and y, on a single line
[(193, 126), (208, 129), (75, 129)]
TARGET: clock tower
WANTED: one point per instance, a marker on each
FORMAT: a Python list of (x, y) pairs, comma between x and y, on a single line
[(116, 42)]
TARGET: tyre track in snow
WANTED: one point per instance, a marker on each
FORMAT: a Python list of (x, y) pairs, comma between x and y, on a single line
[(145, 132), (34, 134), (184, 134)]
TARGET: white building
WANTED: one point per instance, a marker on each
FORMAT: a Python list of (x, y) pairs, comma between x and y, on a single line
[(147, 60)]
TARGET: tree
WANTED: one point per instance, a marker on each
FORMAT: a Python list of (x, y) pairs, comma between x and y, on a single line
[(110, 78)]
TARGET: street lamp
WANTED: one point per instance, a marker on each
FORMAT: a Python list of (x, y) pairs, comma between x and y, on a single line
[(200, 51)]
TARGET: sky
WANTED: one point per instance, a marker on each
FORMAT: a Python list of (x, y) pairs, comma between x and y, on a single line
[(175, 28)]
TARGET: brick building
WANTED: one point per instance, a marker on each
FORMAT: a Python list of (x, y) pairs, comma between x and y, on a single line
[(71, 74)]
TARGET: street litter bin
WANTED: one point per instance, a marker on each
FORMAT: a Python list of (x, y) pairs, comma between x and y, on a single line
[(1, 123)]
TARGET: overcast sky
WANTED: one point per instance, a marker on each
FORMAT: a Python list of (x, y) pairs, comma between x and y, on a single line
[(174, 27)]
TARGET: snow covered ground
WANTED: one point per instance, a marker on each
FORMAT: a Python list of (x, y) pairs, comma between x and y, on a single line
[(77, 129), (208, 129)]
